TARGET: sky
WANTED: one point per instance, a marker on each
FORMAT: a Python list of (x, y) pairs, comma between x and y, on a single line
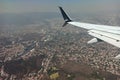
[(25, 6)]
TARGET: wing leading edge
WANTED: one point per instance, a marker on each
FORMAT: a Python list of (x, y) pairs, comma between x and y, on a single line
[(105, 33)]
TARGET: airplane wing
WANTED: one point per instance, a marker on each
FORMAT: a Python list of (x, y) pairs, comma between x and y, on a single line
[(109, 34)]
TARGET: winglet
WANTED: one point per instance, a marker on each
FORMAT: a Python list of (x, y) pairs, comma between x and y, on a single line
[(65, 17)]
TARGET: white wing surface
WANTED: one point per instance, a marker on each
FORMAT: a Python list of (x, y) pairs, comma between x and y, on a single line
[(109, 34)]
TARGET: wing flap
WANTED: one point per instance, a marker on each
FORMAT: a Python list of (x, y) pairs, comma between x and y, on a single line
[(107, 34), (109, 38)]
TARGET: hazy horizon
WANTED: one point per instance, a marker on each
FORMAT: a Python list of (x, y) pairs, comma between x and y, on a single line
[(75, 6), (26, 12)]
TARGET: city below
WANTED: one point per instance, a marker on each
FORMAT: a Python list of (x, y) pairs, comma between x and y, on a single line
[(47, 51)]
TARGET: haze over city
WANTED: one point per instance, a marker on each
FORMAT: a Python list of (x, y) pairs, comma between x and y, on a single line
[(35, 46)]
